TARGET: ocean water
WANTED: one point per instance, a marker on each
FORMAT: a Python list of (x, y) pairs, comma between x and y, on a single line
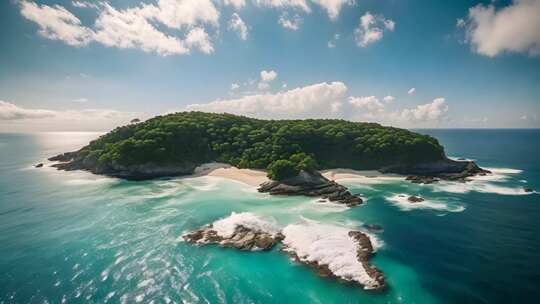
[(73, 237)]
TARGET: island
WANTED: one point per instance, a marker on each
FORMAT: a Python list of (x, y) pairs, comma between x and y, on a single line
[(291, 152), (176, 144)]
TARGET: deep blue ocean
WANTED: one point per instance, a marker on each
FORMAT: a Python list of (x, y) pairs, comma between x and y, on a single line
[(73, 237)]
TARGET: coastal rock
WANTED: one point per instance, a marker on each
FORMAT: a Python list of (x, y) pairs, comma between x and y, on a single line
[(243, 231), (71, 161), (415, 199), (528, 190), (38, 165), (334, 252), (312, 184), (431, 172)]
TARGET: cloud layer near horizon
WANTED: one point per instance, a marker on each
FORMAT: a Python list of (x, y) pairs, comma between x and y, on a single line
[(325, 100), (320, 100), (13, 117)]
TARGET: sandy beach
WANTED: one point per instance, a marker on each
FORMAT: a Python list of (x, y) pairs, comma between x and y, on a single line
[(257, 177), (246, 176)]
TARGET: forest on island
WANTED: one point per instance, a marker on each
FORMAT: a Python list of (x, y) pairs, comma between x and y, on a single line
[(283, 147)]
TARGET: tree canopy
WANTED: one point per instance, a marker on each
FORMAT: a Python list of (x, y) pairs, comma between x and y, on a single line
[(281, 146)]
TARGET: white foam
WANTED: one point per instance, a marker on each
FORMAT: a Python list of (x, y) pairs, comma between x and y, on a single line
[(328, 245), (482, 187), (489, 183), (402, 202), (504, 170), (225, 227), (459, 158)]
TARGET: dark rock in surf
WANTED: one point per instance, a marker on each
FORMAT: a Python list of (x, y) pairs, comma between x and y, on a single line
[(312, 184)]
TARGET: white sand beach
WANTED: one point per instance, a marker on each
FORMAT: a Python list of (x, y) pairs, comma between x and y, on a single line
[(246, 176)]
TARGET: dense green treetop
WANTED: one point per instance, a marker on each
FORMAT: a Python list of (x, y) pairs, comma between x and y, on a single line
[(282, 146)]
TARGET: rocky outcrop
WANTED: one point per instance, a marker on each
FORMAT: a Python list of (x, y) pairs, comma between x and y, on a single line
[(334, 252), (71, 161), (40, 165), (243, 238), (446, 169), (364, 253), (312, 184), (415, 199)]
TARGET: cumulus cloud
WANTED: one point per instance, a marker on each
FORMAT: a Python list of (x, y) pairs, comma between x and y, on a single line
[(389, 98), (371, 29), (514, 28), (180, 13), (57, 23), (237, 24), (280, 4), (369, 103), (235, 86), (268, 76), (130, 27), (198, 38), (235, 3), (84, 4), (411, 91), (333, 7), (433, 111), (290, 23), (318, 100)]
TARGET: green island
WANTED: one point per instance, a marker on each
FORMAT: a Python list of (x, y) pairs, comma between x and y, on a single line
[(283, 147)]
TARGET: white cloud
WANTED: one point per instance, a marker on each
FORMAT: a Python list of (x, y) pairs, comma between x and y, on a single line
[(198, 38), (514, 28), (130, 29), (84, 4), (280, 4), (235, 3), (9, 111), (411, 91), (237, 24), (389, 98), (235, 86), (433, 111), (91, 118), (369, 103), (333, 7), (318, 100), (57, 23), (371, 29), (180, 13), (263, 86), (268, 76), (81, 100), (290, 23)]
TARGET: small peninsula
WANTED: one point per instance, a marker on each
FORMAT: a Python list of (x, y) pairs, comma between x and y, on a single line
[(291, 151)]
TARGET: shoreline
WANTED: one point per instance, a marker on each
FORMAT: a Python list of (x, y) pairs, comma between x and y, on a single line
[(247, 176)]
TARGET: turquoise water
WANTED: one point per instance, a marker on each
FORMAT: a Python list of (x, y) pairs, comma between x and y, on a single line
[(79, 238)]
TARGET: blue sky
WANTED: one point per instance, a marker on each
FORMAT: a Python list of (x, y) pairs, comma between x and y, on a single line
[(69, 65)]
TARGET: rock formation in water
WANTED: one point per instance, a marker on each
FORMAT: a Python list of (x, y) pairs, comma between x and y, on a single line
[(312, 184)]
